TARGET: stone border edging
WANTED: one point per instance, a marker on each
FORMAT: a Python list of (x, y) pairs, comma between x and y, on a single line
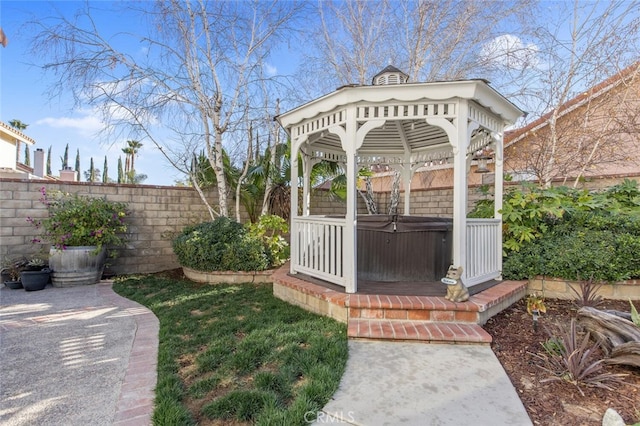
[(228, 277), (137, 394), (557, 288)]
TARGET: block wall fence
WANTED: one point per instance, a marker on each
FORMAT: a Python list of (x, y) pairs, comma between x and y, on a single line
[(158, 212)]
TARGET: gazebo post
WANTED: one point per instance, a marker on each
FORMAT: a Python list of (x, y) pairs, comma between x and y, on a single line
[(296, 143), (349, 144), (498, 186), (459, 139), (294, 208)]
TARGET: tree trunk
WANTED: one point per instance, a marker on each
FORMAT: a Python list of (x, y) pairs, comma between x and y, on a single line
[(395, 194), (619, 337), (372, 207), (245, 170)]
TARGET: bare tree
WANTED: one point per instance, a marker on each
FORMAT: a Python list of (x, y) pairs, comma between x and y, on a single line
[(187, 89), (441, 40), (427, 40), (581, 128)]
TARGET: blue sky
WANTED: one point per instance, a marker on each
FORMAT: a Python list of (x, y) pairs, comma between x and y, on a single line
[(56, 122)]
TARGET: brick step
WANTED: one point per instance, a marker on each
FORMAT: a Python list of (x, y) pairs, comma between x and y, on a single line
[(432, 332), (477, 310)]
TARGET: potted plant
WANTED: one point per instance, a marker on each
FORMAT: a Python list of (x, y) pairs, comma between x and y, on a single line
[(35, 274), (79, 228), (11, 269)]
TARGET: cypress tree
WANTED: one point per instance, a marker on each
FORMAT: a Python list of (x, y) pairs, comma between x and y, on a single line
[(78, 161), (65, 158), (27, 156), (49, 161), (105, 175), (120, 171), (92, 172)]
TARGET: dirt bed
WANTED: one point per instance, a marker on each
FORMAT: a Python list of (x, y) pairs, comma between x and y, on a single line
[(557, 402)]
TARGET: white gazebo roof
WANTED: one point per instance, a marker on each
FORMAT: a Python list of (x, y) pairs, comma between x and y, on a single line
[(405, 108)]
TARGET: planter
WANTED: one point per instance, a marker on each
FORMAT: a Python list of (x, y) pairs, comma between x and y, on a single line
[(13, 285), (228, 277), (76, 266), (558, 288), (35, 280)]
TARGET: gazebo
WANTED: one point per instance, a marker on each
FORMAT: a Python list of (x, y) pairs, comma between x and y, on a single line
[(406, 126)]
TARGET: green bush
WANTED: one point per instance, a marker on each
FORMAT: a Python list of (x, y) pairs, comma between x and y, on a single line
[(221, 245), (226, 245), (584, 235), (269, 229), (578, 253)]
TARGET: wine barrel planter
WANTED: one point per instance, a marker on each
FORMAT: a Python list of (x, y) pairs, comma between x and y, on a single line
[(76, 266)]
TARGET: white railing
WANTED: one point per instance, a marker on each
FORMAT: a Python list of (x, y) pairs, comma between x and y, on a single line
[(317, 250), (484, 250)]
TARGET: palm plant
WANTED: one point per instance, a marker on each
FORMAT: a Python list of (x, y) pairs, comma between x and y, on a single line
[(18, 125)]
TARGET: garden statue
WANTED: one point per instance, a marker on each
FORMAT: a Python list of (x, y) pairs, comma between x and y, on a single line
[(456, 290)]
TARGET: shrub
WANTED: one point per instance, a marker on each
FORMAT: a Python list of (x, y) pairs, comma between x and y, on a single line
[(587, 293), (226, 245), (570, 233), (270, 229), (76, 220), (600, 255)]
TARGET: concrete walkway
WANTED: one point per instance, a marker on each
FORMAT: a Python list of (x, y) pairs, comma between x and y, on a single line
[(417, 384), (76, 356)]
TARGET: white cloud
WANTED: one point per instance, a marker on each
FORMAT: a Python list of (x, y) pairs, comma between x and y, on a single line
[(270, 70), (87, 124), (509, 51)]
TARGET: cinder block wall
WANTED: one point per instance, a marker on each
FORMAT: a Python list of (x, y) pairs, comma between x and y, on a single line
[(156, 212), (436, 202)]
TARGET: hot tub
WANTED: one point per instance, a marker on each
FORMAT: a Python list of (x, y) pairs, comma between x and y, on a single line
[(403, 248)]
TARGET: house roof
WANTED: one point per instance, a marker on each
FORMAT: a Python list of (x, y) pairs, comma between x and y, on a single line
[(15, 133), (599, 89)]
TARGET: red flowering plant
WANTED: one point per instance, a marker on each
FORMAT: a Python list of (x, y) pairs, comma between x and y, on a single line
[(76, 220)]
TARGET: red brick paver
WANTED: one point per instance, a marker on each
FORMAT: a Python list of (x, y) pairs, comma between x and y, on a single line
[(135, 404)]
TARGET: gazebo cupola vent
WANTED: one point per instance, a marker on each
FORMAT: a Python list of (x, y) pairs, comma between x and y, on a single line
[(389, 75)]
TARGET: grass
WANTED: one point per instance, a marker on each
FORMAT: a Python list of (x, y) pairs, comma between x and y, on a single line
[(236, 354)]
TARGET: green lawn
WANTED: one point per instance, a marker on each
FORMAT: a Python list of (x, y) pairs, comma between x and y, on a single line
[(236, 354)]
